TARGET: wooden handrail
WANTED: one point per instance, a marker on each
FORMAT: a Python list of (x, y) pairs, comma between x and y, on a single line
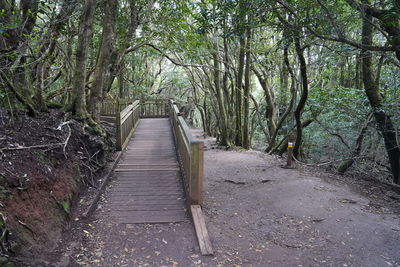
[(110, 107), (191, 156), (126, 123), (155, 108)]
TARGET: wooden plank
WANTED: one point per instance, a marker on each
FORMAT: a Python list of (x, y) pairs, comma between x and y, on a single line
[(149, 187), (149, 173), (150, 157), (172, 195), (150, 213), (145, 178), (201, 230), (128, 192), (150, 220), (158, 169), (126, 176), (154, 202), (149, 176), (149, 164), (167, 197), (146, 184), (144, 207), (143, 186)]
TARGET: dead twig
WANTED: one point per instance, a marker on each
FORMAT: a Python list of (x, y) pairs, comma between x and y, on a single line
[(66, 141), (234, 182), (63, 144), (91, 183), (30, 147), (26, 226)]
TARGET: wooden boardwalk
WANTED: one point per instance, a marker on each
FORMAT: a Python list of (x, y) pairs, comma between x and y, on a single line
[(147, 186)]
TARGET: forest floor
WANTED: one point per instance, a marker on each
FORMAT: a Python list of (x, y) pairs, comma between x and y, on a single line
[(257, 214)]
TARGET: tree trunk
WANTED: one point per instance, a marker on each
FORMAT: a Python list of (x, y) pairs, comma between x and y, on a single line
[(246, 92), (78, 97), (239, 104), (220, 96), (227, 94), (371, 87), (303, 98), (121, 82), (39, 100), (272, 140), (102, 72), (270, 99), (345, 165), (117, 59)]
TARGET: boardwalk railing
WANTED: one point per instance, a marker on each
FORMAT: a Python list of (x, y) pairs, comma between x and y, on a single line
[(126, 123), (110, 107), (191, 154), (154, 108)]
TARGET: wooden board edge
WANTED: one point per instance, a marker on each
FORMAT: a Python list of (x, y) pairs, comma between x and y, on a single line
[(102, 186), (201, 231)]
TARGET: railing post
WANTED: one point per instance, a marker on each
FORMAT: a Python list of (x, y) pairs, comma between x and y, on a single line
[(196, 173), (119, 132)]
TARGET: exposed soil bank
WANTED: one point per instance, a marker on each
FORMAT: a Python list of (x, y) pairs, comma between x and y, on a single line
[(45, 164)]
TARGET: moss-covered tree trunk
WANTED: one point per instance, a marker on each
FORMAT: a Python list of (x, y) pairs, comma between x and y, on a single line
[(223, 125), (239, 87), (102, 72), (371, 87), (77, 104), (304, 95), (246, 92)]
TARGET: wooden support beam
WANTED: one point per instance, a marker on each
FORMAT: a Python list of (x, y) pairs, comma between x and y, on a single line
[(201, 230)]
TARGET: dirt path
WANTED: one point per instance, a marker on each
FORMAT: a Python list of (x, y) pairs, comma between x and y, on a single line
[(258, 214)]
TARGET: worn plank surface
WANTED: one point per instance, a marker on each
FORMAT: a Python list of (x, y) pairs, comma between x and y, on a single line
[(147, 186)]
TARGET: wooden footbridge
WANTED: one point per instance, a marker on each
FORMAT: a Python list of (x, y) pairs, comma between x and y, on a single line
[(159, 177)]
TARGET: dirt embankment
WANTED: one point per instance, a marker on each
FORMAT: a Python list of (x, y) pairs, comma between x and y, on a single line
[(44, 165)]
